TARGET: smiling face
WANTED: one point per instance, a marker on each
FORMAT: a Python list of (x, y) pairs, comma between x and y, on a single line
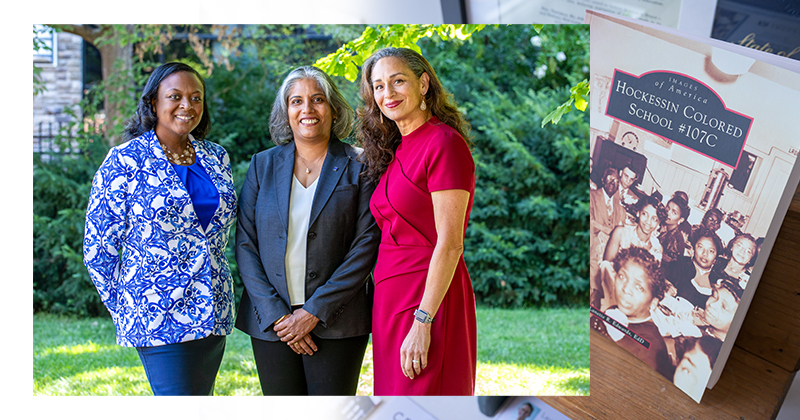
[(720, 308), (742, 250), (634, 296), (693, 371), (705, 252), (399, 93), (178, 106), (310, 114), (648, 219)]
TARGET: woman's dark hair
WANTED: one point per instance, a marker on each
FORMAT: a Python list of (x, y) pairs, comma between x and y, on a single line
[(683, 205), (381, 138), (732, 287), (279, 129), (649, 200), (145, 119), (704, 232), (643, 258), (708, 345), (742, 237)]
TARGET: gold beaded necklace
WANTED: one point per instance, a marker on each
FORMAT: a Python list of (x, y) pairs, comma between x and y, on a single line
[(186, 157)]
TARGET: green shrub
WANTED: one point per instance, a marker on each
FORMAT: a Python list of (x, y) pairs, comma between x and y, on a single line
[(61, 186), (527, 241)]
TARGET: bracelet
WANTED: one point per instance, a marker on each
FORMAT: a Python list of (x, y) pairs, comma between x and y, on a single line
[(281, 319)]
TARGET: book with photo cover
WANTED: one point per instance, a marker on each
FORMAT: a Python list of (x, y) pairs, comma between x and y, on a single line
[(694, 145), (527, 408), (766, 25)]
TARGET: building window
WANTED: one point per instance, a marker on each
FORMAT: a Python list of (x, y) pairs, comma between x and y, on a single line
[(47, 47), (743, 171)]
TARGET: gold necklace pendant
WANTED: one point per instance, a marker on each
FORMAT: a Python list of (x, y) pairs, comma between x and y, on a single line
[(184, 158)]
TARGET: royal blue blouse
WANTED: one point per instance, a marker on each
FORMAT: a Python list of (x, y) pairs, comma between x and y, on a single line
[(205, 197)]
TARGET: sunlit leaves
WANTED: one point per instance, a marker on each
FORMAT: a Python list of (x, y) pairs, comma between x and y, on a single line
[(578, 97), (347, 60)]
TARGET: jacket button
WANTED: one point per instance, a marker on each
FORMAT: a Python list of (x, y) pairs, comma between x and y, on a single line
[(312, 235), (312, 275)]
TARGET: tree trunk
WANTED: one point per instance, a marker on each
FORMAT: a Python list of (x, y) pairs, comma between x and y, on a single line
[(116, 62)]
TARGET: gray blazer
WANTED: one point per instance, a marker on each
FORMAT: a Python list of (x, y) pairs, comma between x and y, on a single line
[(341, 252)]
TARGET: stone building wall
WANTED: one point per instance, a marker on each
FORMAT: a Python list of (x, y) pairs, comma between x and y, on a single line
[(64, 87)]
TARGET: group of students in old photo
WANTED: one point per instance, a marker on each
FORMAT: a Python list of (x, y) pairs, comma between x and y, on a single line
[(671, 287)]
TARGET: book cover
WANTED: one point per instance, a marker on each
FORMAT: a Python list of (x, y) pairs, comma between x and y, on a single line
[(356, 407), (400, 408), (527, 408), (694, 143), (766, 25)]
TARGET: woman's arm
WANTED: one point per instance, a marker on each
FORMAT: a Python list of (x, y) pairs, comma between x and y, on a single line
[(105, 227), (612, 247), (449, 212), (263, 295)]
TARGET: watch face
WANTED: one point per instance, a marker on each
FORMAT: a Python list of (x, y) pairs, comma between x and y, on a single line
[(422, 317)]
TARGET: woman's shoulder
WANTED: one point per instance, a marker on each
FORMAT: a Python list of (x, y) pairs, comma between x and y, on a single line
[(269, 153), (439, 132), (129, 153), (211, 147), (351, 151), (135, 144)]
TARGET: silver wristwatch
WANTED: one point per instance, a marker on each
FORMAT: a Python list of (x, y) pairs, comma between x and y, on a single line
[(423, 316)]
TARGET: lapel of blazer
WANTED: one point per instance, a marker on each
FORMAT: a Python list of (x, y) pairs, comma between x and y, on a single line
[(283, 172), (332, 170), (166, 174), (213, 168)]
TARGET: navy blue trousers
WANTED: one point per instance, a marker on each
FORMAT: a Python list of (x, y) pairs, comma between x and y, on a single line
[(188, 368), (332, 370)]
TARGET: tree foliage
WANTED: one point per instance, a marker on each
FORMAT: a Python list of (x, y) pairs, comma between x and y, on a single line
[(349, 58)]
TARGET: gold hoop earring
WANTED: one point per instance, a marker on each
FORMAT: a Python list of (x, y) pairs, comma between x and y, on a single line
[(381, 117)]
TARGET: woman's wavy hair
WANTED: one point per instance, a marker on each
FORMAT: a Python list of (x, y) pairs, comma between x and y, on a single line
[(145, 119), (683, 206), (279, 129), (651, 200), (731, 286), (651, 267), (710, 346), (704, 232), (380, 137)]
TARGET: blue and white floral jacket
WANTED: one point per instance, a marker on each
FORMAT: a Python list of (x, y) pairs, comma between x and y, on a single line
[(163, 279)]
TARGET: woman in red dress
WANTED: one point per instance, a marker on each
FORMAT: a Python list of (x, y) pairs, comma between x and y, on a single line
[(416, 147)]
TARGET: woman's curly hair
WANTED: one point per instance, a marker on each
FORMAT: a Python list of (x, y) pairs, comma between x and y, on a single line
[(651, 267), (381, 137)]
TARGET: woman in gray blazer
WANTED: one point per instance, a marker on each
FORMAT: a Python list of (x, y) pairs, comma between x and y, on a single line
[(306, 244)]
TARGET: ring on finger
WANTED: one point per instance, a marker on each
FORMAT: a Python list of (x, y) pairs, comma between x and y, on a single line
[(415, 361)]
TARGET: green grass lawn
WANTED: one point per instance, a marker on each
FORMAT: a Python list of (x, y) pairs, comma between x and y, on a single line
[(520, 352)]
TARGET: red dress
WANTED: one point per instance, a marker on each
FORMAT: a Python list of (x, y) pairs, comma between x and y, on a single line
[(433, 157)]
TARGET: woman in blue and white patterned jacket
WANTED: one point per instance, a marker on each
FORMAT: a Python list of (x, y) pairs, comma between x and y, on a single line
[(157, 225)]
